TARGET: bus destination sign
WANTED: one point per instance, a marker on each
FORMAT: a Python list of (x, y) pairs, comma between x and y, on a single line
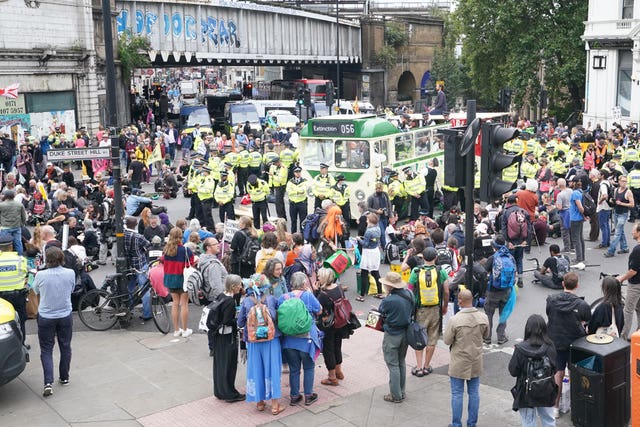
[(334, 128)]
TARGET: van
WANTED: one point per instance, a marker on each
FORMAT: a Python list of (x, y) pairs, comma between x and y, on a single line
[(190, 115), (238, 113)]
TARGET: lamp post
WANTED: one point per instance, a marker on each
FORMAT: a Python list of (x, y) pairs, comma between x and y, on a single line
[(112, 121), (337, 54)]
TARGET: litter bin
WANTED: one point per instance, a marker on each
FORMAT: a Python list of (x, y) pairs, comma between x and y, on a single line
[(600, 383)]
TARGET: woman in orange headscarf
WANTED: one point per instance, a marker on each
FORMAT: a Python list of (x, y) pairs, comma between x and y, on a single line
[(332, 231)]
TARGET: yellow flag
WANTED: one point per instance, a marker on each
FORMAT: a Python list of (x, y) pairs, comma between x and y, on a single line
[(356, 107), (156, 155)]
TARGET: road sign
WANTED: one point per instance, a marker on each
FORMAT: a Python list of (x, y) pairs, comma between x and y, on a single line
[(78, 154)]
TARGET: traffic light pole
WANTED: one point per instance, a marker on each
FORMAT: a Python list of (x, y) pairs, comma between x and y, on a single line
[(469, 200)]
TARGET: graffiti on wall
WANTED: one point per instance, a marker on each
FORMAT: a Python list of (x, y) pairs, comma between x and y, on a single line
[(218, 31)]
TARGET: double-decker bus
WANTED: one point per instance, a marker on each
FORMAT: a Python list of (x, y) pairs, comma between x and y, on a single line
[(360, 146), (289, 89)]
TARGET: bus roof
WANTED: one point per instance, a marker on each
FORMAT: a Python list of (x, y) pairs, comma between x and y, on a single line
[(463, 116), (364, 126)]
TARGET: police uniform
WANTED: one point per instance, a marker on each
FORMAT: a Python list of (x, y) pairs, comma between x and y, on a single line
[(224, 195), (206, 187), (255, 162), (633, 182), (258, 190), (278, 181), (243, 159), (340, 194), (397, 195), (298, 205), (13, 279), (416, 188), (322, 186), (193, 182)]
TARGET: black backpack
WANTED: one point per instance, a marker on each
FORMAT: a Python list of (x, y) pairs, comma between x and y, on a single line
[(588, 204), (540, 388), (214, 319), (249, 250)]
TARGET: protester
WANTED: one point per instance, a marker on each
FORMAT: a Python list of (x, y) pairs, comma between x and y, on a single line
[(175, 259)]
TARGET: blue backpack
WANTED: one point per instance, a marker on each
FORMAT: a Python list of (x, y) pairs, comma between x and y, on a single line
[(503, 273), (310, 228)]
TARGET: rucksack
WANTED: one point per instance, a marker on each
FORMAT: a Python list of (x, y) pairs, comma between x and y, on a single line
[(611, 194), (310, 228), (444, 259), (214, 319), (260, 325), (392, 252), (588, 204), (459, 235), (249, 250), (267, 254), (540, 388), (194, 286), (341, 310), (428, 289), (562, 264), (517, 225), (293, 316), (503, 272), (290, 269)]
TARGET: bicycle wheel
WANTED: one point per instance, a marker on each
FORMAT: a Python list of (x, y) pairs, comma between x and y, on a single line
[(98, 310), (160, 313)]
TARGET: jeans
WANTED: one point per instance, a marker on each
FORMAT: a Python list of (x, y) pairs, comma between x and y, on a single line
[(139, 280), (48, 330), (457, 391), (394, 350), (383, 223), (605, 228), (577, 239), (619, 220), (518, 255), (496, 299), (296, 359), (16, 235), (632, 303), (528, 416)]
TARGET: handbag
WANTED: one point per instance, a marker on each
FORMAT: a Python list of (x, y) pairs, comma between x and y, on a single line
[(354, 322), (612, 329), (33, 302), (187, 272), (416, 336), (338, 262), (374, 320), (202, 324), (327, 322)]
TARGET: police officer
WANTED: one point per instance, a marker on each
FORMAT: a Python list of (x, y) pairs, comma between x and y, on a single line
[(206, 188), (278, 181), (397, 195), (298, 205), (340, 194), (243, 168), (416, 188), (255, 161), (258, 191), (633, 182), (224, 195), (322, 184), (193, 182), (13, 279), (288, 157)]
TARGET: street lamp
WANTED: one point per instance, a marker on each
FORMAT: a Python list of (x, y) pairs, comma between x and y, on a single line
[(337, 54)]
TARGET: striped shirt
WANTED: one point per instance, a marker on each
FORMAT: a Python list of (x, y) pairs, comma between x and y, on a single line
[(175, 265)]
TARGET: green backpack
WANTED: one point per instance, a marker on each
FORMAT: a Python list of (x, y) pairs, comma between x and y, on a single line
[(293, 316)]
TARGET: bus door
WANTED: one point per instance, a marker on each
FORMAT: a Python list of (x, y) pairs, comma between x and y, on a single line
[(380, 156)]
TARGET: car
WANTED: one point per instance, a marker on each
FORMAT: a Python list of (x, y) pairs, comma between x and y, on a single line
[(13, 354)]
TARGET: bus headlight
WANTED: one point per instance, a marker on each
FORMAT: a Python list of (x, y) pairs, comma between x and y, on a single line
[(359, 194)]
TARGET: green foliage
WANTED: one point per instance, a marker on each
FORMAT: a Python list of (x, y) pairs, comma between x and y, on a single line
[(395, 34), (132, 51), (506, 43), (387, 56), (447, 67)]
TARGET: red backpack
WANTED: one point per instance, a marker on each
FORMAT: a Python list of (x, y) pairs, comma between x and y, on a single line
[(341, 310), (517, 225)]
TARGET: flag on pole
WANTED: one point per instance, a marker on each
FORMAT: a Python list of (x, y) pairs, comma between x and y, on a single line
[(156, 155), (356, 107), (10, 91)]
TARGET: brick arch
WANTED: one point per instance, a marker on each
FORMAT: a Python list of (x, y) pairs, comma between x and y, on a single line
[(406, 86)]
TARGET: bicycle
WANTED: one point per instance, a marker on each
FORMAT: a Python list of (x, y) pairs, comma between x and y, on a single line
[(598, 300), (100, 309)]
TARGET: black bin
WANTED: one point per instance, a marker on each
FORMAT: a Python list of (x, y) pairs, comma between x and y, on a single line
[(600, 383)]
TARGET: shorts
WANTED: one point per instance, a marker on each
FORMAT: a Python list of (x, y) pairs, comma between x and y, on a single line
[(429, 319), (176, 290), (562, 359)]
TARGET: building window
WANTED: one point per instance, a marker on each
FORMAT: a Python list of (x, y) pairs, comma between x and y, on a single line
[(599, 62), (625, 60), (627, 9), (45, 102)]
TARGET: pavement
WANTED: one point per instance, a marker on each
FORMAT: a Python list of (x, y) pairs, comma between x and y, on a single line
[(139, 377)]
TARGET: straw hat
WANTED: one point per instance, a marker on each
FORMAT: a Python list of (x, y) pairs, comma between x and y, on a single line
[(393, 280)]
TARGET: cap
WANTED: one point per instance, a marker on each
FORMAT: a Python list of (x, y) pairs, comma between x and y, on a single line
[(228, 165), (276, 159), (512, 198), (393, 174), (297, 169), (224, 173), (617, 156), (49, 164), (424, 213), (429, 254), (197, 124), (340, 177), (323, 166), (206, 168), (406, 169)]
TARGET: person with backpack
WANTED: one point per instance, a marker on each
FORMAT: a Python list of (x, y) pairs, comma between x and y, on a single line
[(370, 258), (302, 348), (464, 334), (331, 296), (502, 277), (516, 227), (430, 287), (567, 313), (273, 275), (244, 241), (264, 355), (576, 218), (214, 276), (224, 330), (445, 258), (268, 250), (533, 363), (557, 264), (623, 202)]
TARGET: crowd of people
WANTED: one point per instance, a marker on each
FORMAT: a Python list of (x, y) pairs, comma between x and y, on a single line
[(272, 268)]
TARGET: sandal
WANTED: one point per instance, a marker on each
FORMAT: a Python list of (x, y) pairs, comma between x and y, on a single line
[(417, 372), (380, 296), (390, 398), (427, 370), (361, 299), (261, 405), (276, 410)]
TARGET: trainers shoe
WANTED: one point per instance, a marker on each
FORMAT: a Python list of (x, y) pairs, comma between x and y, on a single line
[(487, 341), (295, 400), (503, 340), (308, 400), (177, 333), (187, 332), (623, 251), (64, 382), (607, 255), (48, 390), (556, 413)]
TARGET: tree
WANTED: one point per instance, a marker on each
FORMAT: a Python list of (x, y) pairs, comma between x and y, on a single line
[(132, 51), (508, 43), (447, 67)]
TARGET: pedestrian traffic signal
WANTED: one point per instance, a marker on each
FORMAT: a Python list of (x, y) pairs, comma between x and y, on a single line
[(330, 97), (494, 160), (454, 173), (300, 97), (247, 90), (145, 92), (306, 96)]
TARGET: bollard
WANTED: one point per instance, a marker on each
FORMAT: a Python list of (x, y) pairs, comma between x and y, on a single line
[(635, 378)]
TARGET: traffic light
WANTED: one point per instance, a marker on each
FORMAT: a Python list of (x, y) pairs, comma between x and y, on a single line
[(329, 98), (543, 98), (247, 90), (145, 92), (300, 97), (307, 97), (454, 173), (494, 161), (505, 99)]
